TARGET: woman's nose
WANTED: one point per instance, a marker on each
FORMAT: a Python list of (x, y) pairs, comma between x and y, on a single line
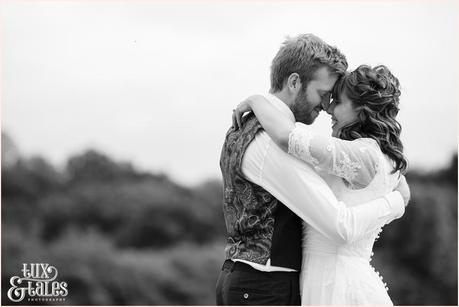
[(330, 108)]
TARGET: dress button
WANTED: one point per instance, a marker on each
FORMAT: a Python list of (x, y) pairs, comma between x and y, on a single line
[(246, 295)]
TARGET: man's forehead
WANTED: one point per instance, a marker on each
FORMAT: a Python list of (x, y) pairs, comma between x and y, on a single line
[(324, 79)]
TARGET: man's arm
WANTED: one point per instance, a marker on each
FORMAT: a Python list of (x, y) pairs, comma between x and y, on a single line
[(303, 191)]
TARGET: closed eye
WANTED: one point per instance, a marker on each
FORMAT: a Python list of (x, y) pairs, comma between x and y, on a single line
[(325, 95), (334, 99)]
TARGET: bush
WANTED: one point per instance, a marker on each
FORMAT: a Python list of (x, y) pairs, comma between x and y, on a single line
[(97, 273)]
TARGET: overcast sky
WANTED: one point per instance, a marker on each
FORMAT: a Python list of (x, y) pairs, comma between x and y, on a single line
[(155, 82)]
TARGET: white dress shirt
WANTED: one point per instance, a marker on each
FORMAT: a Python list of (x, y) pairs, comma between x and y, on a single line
[(302, 190)]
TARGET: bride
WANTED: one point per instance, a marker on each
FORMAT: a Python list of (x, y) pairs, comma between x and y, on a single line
[(361, 161)]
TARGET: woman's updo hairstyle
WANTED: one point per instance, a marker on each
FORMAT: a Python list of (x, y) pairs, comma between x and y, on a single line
[(375, 94)]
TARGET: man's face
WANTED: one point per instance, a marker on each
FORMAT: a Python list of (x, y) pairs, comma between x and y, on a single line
[(315, 97)]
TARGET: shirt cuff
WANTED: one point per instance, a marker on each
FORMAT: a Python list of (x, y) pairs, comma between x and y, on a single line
[(396, 203)]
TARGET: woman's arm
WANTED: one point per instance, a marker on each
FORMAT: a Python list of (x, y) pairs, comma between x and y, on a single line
[(277, 125), (355, 161)]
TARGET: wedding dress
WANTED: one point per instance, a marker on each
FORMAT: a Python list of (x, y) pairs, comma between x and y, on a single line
[(337, 273)]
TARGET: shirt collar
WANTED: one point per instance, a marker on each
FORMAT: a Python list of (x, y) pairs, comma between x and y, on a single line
[(280, 105)]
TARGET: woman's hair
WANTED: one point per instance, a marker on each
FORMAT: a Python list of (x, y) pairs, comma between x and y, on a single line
[(304, 54), (375, 94)]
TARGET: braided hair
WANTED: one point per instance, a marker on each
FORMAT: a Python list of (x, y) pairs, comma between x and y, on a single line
[(375, 94)]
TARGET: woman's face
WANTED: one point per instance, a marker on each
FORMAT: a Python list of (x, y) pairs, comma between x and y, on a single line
[(343, 113)]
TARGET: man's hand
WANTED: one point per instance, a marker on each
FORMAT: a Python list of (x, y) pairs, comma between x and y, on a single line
[(404, 189)]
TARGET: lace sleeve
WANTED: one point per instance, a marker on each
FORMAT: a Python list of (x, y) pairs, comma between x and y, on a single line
[(354, 161)]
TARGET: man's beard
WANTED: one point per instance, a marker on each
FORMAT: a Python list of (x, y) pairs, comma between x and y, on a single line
[(302, 109)]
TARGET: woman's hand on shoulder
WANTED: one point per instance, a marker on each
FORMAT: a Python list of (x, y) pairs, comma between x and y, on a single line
[(244, 107)]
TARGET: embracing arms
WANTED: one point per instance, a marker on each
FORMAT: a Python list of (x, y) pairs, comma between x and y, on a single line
[(355, 161), (304, 192), (276, 124)]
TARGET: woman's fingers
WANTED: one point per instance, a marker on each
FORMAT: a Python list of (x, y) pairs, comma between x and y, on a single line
[(238, 118), (233, 117), (240, 110)]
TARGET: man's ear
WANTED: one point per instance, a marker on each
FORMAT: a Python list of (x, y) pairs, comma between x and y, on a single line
[(294, 82)]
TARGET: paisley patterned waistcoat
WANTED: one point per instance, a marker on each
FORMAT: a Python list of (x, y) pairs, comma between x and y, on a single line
[(259, 226)]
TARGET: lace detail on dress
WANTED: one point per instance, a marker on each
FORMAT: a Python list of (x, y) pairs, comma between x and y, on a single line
[(356, 162), (366, 149), (346, 168), (299, 141)]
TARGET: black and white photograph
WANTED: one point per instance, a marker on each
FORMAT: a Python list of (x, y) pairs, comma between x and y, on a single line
[(229, 152)]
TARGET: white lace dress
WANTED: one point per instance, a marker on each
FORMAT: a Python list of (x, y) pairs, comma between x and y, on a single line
[(335, 273)]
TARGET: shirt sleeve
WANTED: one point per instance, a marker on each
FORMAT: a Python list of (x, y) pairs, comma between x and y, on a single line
[(355, 161), (303, 191)]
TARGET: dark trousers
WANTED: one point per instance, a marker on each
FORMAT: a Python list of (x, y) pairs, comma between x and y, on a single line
[(240, 284)]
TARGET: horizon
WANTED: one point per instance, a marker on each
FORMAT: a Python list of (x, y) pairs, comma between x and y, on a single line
[(61, 167)]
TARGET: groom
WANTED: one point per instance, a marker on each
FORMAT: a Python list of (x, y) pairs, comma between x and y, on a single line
[(267, 193)]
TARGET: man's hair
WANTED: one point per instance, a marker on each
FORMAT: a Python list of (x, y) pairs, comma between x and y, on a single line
[(303, 55)]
